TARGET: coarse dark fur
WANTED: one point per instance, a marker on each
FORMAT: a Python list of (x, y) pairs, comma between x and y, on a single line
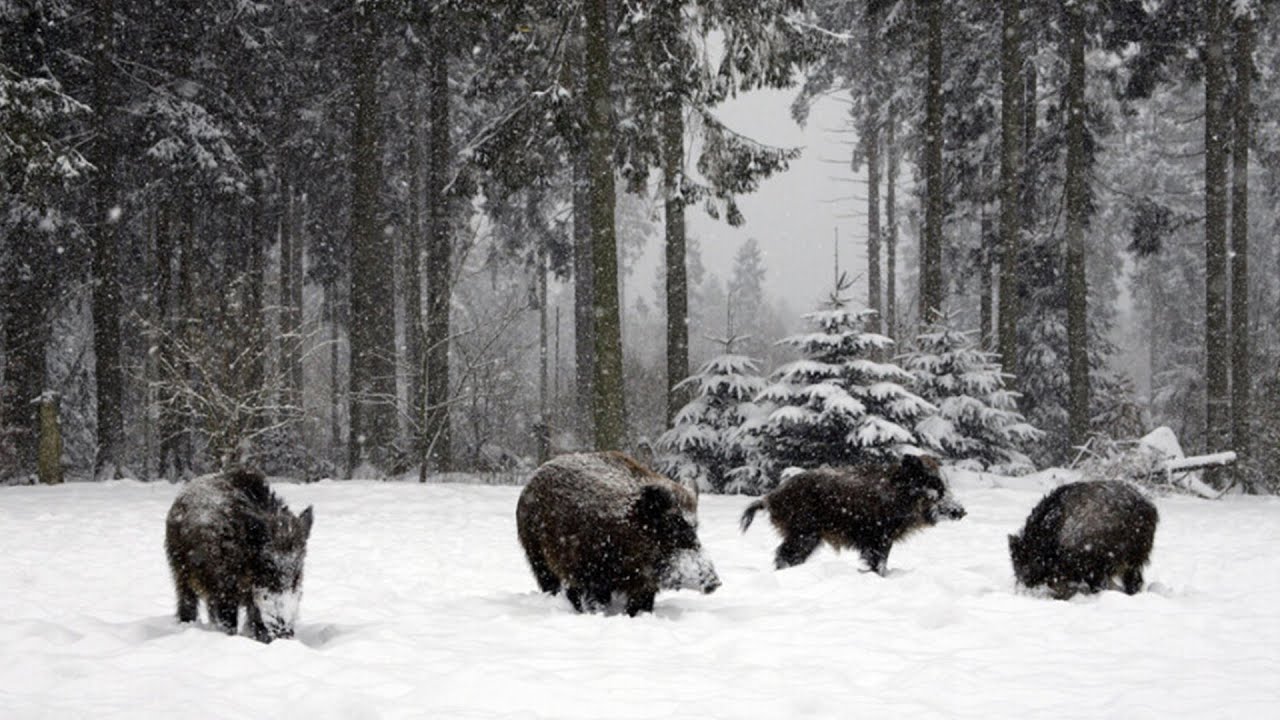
[(1083, 535), (595, 524), (868, 507), (228, 537)]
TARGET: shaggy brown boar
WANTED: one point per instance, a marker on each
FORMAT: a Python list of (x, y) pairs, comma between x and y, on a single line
[(596, 524), (868, 507), (232, 543), (1083, 535)]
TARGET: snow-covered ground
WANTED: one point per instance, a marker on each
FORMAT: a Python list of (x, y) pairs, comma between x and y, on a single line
[(418, 604)]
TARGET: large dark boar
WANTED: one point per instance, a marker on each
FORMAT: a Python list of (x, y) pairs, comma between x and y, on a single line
[(596, 524), (1084, 534), (233, 543), (869, 507)]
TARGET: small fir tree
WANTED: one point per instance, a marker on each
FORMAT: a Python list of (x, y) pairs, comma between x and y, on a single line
[(706, 446), (838, 406), (977, 423)]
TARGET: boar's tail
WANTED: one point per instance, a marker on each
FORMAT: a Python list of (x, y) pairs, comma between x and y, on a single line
[(750, 513)]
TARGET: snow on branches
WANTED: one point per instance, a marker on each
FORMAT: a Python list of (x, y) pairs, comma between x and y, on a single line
[(710, 444), (977, 423)]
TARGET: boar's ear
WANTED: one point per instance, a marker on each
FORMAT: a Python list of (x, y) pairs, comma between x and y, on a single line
[(654, 501), (1015, 543), (306, 518), (912, 464)]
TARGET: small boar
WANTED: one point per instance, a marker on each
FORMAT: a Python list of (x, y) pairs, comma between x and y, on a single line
[(233, 543), (596, 524), (868, 507), (1083, 535)]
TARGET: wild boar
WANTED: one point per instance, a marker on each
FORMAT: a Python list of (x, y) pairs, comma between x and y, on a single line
[(232, 543), (600, 524), (1083, 535), (867, 507)]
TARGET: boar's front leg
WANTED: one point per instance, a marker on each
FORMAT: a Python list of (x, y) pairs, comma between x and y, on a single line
[(877, 556), (639, 602), (223, 613), (1132, 580)]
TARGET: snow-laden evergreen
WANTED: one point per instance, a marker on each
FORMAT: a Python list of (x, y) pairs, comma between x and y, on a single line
[(977, 423), (707, 446), (839, 405)]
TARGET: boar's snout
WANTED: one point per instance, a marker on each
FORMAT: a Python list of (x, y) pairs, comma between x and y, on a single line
[(690, 569), (950, 509)]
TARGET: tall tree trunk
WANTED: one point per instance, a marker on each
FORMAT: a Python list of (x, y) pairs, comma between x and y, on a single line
[(437, 426), (106, 273), (26, 335), (1077, 199), (413, 270), (891, 220), (677, 269), (1216, 131), (871, 149), (371, 330), (1011, 117), (931, 294), (1241, 378), (335, 378), (584, 343), (608, 408)]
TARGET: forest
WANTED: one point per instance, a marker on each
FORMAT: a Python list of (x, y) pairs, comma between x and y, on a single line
[(377, 238)]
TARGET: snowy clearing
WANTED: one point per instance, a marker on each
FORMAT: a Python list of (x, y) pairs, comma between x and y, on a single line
[(418, 603)]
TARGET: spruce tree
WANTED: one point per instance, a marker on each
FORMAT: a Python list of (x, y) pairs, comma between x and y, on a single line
[(707, 446), (977, 423), (837, 406)]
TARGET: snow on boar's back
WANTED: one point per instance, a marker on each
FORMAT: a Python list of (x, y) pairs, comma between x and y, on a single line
[(867, 507), (232, 543), (596, 524), (1083, 535)]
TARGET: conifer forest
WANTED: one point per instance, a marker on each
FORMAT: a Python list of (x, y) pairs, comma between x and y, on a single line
[(381, 238)]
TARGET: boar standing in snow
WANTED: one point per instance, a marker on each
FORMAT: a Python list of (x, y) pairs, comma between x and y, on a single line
[(1083, 535), (868, 507), (597, 524), (233, 543)]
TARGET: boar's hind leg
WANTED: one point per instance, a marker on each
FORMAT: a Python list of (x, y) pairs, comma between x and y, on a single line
[(1132, 580), (548, 582), (188, 602), (639, 602), (795, 549)]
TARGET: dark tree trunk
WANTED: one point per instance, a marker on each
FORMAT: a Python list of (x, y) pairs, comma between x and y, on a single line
[(608, 408), (584, 343), (26, 334), (106, 274), (931, 292), (1241, 377), (371, 330), (413, 266), (677, 270), (1011, 131), (1216, 131), (543, 427), (437, 428), (871, 148), (1077, 209)]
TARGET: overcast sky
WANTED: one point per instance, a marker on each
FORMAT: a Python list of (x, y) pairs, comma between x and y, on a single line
[(794, 214)]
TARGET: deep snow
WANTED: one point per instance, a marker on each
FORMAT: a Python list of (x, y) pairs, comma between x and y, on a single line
[(418, 604)]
